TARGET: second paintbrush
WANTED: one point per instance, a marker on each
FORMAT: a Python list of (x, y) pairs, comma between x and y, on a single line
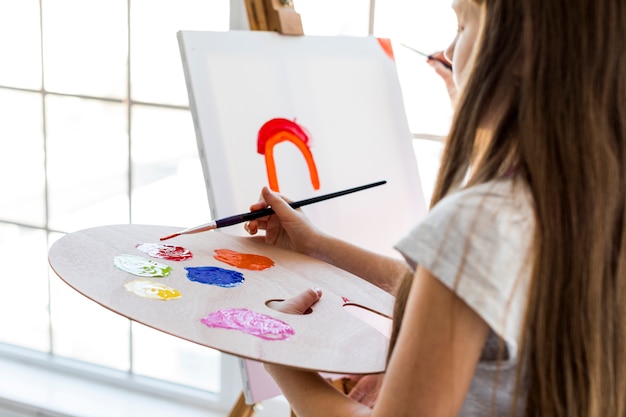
[(244, 217), (445, 62)]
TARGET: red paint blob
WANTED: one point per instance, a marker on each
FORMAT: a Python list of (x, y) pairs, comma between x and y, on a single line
[(277, 126), (243, 260), (161, 251)]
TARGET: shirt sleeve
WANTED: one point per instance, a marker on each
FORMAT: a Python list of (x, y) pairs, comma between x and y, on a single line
[(476, 242)]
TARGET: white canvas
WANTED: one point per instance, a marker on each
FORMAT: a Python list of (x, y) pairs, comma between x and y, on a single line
[(343, 90)]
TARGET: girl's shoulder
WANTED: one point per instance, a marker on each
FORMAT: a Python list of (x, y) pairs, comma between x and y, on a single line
[(489, 210), (493, 196), (477, 241), (474, 223)]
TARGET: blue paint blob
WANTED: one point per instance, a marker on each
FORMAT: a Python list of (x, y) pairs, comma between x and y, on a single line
[(213, 275)]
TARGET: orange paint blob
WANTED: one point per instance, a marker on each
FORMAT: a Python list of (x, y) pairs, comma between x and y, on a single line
[(243, 260)]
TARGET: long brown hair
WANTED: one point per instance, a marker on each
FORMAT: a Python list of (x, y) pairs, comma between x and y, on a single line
[(559, 70)]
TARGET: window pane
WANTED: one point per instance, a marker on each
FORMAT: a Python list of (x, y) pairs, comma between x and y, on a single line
[(428, 154), (87, 163), (167, 175), (86, 46), (426, 25), (429, 27), (156, 69), (22, 168), (86, 331), (426, 100), (20, 48), (328, 17), (162, 356), (24, 281)]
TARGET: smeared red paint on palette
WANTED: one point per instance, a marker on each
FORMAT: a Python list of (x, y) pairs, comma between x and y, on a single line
[(243, 260), (247, 321), (162, 251)]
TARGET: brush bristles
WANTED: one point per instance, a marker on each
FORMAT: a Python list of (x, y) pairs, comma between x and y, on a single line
[(170, 236)]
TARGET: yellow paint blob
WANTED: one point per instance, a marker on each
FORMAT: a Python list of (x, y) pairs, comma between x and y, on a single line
[(153, 290)]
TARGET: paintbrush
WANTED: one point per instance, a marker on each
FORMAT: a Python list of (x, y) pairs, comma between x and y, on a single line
[(244, 217), (444, 62)]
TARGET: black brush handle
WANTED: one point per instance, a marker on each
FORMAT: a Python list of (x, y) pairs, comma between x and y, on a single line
[(240, 218)]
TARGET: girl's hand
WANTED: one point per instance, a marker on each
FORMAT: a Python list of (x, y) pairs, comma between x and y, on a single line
[(287, 228), (445, 73), (366, 389)]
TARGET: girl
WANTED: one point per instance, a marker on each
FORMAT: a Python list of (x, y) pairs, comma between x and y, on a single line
[(516, 300)]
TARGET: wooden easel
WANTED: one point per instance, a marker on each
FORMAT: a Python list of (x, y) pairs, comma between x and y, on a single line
[(274, 15), (241, 409)]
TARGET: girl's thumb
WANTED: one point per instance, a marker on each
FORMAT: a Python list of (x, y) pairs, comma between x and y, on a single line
[(276, 202)]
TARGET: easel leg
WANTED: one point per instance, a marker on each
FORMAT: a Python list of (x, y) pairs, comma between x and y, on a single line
[(274, 15), (241, 409)]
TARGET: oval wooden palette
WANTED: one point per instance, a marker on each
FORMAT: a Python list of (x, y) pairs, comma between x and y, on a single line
[(330, 339)]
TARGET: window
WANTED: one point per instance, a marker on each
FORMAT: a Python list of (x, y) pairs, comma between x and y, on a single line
[(84, 147), (96, 128)]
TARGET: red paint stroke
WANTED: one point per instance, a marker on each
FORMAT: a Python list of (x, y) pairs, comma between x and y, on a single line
[(243, 260), (387, 47), (281, 130), (169, 252), (247, 321), (345, 300)]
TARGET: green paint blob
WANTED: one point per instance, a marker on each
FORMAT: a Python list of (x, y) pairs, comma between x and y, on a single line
[(142, 267)]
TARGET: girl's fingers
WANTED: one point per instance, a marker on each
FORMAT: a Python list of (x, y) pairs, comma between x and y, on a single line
[(279, 204), (251, 227)]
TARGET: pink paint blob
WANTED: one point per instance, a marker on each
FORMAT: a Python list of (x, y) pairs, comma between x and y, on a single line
[(247, 321), (162, 251)]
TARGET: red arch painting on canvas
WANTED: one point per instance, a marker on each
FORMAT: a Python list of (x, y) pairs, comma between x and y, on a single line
[(280, 130)]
